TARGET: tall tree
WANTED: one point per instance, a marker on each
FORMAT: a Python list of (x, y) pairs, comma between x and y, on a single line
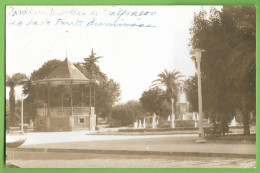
[(107, 95), (11, 82), (191, 90), (107, 92), (241, 62), (228, 65), (91, 67)]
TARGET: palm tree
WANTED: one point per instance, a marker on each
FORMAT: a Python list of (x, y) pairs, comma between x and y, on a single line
[(91, 66), (11, 82), (170, 80)]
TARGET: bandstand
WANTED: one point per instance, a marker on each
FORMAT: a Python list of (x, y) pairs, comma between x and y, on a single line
[(65, 100)]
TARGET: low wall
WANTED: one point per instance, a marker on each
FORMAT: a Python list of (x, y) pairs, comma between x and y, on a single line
[(157, 129), (65, 123), (177, 123), (59, 124), (185, 123)]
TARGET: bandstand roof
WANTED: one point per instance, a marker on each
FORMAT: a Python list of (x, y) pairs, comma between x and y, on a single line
[(65, 73)]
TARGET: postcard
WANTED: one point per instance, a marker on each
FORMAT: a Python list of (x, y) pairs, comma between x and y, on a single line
[(130, 86)]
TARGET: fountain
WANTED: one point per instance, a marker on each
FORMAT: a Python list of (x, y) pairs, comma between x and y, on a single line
[(194, 116), (233, 122), (140, 124), (184, 117), (169, 118), (173, 119), (31, 124), (144, 125), (182, 97), (196, 124), (136, 125), (182, 105), (153, 122)]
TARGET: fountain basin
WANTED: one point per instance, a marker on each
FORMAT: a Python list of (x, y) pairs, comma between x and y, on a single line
[(185, 123)]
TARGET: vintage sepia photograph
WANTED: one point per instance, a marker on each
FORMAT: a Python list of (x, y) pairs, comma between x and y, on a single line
[(130, 87)]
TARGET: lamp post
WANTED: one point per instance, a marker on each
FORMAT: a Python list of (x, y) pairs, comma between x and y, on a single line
[(22, 113), (197, 53)]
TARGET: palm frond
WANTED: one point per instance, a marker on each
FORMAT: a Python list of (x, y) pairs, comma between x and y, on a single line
[(156, 85)]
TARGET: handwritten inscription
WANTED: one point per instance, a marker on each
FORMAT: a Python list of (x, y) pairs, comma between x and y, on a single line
[(79, 16)]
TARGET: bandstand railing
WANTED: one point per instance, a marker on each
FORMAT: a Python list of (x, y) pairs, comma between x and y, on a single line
[(65, 111)]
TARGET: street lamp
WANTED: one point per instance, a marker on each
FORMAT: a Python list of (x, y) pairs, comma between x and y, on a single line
[(22, 96), (22, 113), (197, 53)]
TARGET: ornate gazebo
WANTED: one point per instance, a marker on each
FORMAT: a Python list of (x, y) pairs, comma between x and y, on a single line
[(57, 107)]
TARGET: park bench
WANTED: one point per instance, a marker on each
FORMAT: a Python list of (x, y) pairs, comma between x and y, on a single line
[(213, 130)]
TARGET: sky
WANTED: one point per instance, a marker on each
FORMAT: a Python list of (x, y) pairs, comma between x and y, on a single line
[(132, 55)]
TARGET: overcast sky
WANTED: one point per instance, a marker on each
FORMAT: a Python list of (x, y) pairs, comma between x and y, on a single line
[(133, 56)]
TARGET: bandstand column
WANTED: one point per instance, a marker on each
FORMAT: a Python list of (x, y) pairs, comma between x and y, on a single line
[(71, 118), (71, 100), (48, 119), (62, 100), (37, 96), (82, 96), (49, 99)]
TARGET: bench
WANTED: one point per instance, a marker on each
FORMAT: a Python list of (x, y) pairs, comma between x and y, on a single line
[(214, 130)]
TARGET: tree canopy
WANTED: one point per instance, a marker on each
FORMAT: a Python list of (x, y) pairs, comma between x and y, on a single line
[(128, 112), (92, 70), (155, 101), (228, 65)]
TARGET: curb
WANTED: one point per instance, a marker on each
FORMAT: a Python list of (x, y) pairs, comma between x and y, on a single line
[(134, 152), (149, 133)]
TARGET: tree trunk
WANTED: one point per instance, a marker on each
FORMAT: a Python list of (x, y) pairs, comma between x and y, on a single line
[(12, 106), (246, 123), (96, 119), (245, 117)]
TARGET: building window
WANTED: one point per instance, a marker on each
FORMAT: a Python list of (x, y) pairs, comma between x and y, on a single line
[(41, 121), (81, 120)]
